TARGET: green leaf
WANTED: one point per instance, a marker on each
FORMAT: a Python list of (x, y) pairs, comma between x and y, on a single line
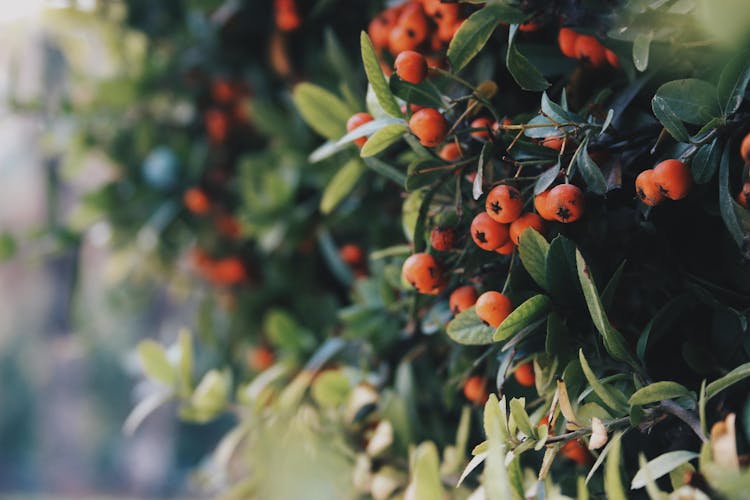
[(521, 317), (426, 479), (738, 374), (209, 398), (423, 94), (612, 481), (381, 139), (485, 156), (641, 49), (706, 161), (386, 170), (726, 201), (377, 79), (526, 75), (368, 129), (341, 185), (185, 343), (476, 30), (610, 396), (608, 295), (556, 112), (410, 212), (324, 112), (421, 172), (155, 363), (733, 83), (691, 100), (669, 120), (419, 227), (520, 417), (591, 173), (546, 179), (614, 343), (331, 388), (468, 329), (660, 466), (495, 478), (533, 250), (669, 313), (562, 277), (657, 392)]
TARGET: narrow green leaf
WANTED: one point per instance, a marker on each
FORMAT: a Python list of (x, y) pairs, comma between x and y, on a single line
[(641, 49), (185, 343), (341, 185), (533, 249), (421, 172), (522, 316), (484, 158), (612, 480), (591, 173), (426, 475), (608, 295), (422, 94), (381, 139), (610, 396), (546, 179), (737, 375), (155, 363), (660, 466), (733, 82), (526, 75), (377, 79), (386, 170), (669, 120), (726, 201), (495, 479), (657, 392), (556, 112), (468, 329), (476, 30), (614, 343), (322, 111), (520, 417)]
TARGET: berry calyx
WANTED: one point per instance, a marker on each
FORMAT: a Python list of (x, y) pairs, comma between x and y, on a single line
[(504, 204), (566, 202)]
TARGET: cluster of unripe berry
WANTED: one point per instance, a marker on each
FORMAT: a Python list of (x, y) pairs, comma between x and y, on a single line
[(669, 179), (586, 48)]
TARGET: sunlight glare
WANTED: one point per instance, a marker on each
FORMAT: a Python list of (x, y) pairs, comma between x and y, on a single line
[(16, 10)]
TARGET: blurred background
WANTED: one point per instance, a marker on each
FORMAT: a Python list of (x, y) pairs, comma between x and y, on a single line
[(65, 329)]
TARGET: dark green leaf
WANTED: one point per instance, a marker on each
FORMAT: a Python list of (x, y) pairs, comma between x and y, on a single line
[(657, 392), (420, 173), (386, 170), (547, 178), (726, 201), (324, 112), (377, 79), (669, 120), (706, 161), (691, 100), (383, 138), (738, 374), (421, 94), (610, 396), (468, 329), (733, 82), (560, 270), (522, 316), (641, 49), (533, 249), (484, 158), (526, 75), (591, 173), (608, 295), (476, 30)]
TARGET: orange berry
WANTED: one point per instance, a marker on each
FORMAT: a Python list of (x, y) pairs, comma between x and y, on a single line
[(527, 220), (577, 452), (743, 197), (228, 225), (412, 107), (475, 390), (567, 40), (411, 66), (524, 374), (493, 308), (380, 27), (506, 249), (196, 201), (462, 298), (646, 188), (287, 17), (410, 30), (612, 58), (504, 203), (228, 271), (529, 27), (443, 12), (745, 149), (553, 142), (540, 204), (442, 238), (217, 125), (352, 254), (485, 124), (589, 48), (487, 233), (422, 271), (354, 122), (566, 202), (429, 126), (673, 178), (222, 91), (260, 358), (450, 152), (447, 29)]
